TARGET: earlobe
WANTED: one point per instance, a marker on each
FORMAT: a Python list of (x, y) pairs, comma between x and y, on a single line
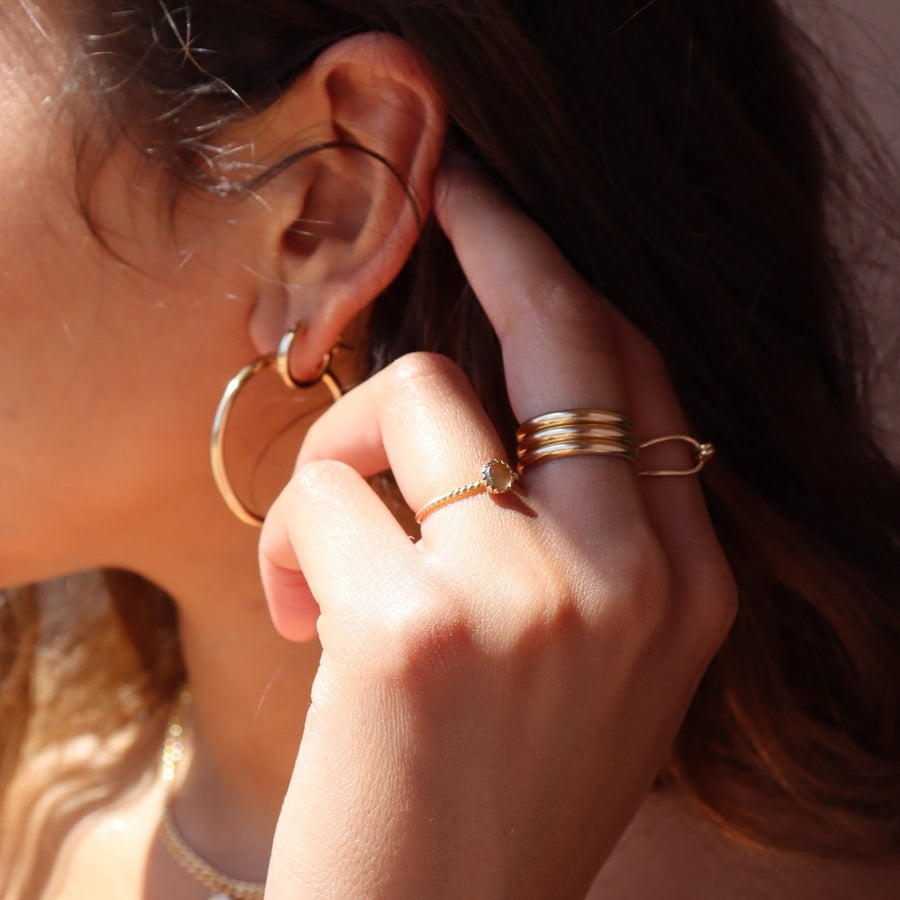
[(370, 127)]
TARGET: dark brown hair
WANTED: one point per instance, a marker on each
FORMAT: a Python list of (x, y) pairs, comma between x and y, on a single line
[(680, 155)]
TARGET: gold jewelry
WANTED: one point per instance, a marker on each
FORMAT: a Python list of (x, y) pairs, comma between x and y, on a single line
[(703, 452), (497, 477), (223, 886), (574, 417), (582, 432), (575, 432), (280, 360)]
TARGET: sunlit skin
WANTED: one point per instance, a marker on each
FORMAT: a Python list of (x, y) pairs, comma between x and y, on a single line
[(111, 369)]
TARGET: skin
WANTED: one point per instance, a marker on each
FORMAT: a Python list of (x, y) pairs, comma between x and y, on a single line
[(594, 618), (526, 661), (110, 373)]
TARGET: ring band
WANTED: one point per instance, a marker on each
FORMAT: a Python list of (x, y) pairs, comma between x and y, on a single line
[(560, 434), (703, 452), (497, 477), (576, 448), (575, 432), (588, 432), (575, 417)]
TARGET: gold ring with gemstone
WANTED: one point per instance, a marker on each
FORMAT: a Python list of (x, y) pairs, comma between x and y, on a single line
[(497, 477)]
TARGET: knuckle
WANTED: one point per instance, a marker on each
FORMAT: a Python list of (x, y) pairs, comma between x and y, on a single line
[(639, 586), (421, 375), (558, 294), (412, 372), (557, 621), (536, 594), (553, 296), (426, 646), (318, 478)]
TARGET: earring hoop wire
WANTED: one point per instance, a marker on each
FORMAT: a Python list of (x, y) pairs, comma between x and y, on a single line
[(283, 365), (280, 360)]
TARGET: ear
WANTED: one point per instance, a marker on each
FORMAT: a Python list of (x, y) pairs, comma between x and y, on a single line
[(342, 220)]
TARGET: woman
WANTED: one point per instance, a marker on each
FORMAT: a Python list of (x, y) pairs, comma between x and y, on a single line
[(188, 190)]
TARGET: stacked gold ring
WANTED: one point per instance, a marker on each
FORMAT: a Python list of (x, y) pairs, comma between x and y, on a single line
[(585, 432), (575, 432)]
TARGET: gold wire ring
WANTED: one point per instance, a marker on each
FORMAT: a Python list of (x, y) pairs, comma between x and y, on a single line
[(497, 477), (703, 452), (280, 361)]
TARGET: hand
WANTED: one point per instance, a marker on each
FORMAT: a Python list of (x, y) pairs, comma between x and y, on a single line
[(493, 701)]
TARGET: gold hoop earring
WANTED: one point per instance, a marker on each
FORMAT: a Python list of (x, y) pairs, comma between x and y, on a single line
[(280, 360)]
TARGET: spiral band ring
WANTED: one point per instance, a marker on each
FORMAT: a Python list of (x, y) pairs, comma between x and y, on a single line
[(601, 432)]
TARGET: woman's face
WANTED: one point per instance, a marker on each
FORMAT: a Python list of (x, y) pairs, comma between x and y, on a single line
[(111, 359)]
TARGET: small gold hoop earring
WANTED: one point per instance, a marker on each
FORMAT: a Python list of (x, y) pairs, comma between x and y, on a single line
[(324, 375), (280, 360)]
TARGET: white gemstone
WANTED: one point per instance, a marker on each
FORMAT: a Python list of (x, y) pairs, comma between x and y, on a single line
[(497, 476), (219, 897)]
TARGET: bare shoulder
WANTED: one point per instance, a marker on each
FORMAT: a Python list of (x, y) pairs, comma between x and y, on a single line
[(670, 853)]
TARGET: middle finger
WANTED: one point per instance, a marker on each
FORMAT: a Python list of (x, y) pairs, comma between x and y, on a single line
[(559, 348), (558, 343)]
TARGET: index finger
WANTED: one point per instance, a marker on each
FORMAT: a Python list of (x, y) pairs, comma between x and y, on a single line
[(559, 350)]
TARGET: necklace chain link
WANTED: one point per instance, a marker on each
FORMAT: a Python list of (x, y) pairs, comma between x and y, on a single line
[(172, 839)]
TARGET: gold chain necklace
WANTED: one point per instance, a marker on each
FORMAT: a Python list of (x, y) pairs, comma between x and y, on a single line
[(223, 887)]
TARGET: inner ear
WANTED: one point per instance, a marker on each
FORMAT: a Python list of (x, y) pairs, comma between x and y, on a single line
[(367, 173), (333, 209), (373, 124)]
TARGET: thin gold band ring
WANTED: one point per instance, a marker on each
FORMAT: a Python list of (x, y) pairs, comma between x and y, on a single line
[(497, 477)]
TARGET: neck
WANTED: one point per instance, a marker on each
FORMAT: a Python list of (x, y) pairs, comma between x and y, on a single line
[(250, 692)]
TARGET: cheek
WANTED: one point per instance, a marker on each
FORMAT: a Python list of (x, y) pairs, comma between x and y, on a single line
[(47, 303)]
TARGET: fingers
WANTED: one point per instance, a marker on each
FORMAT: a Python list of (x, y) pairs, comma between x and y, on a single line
[(419, 417), (561, 347), (674, 506), (559, 350), (564, 346), (328, 539)]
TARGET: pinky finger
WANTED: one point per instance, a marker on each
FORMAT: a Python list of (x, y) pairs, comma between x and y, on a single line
[(329, 553)]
